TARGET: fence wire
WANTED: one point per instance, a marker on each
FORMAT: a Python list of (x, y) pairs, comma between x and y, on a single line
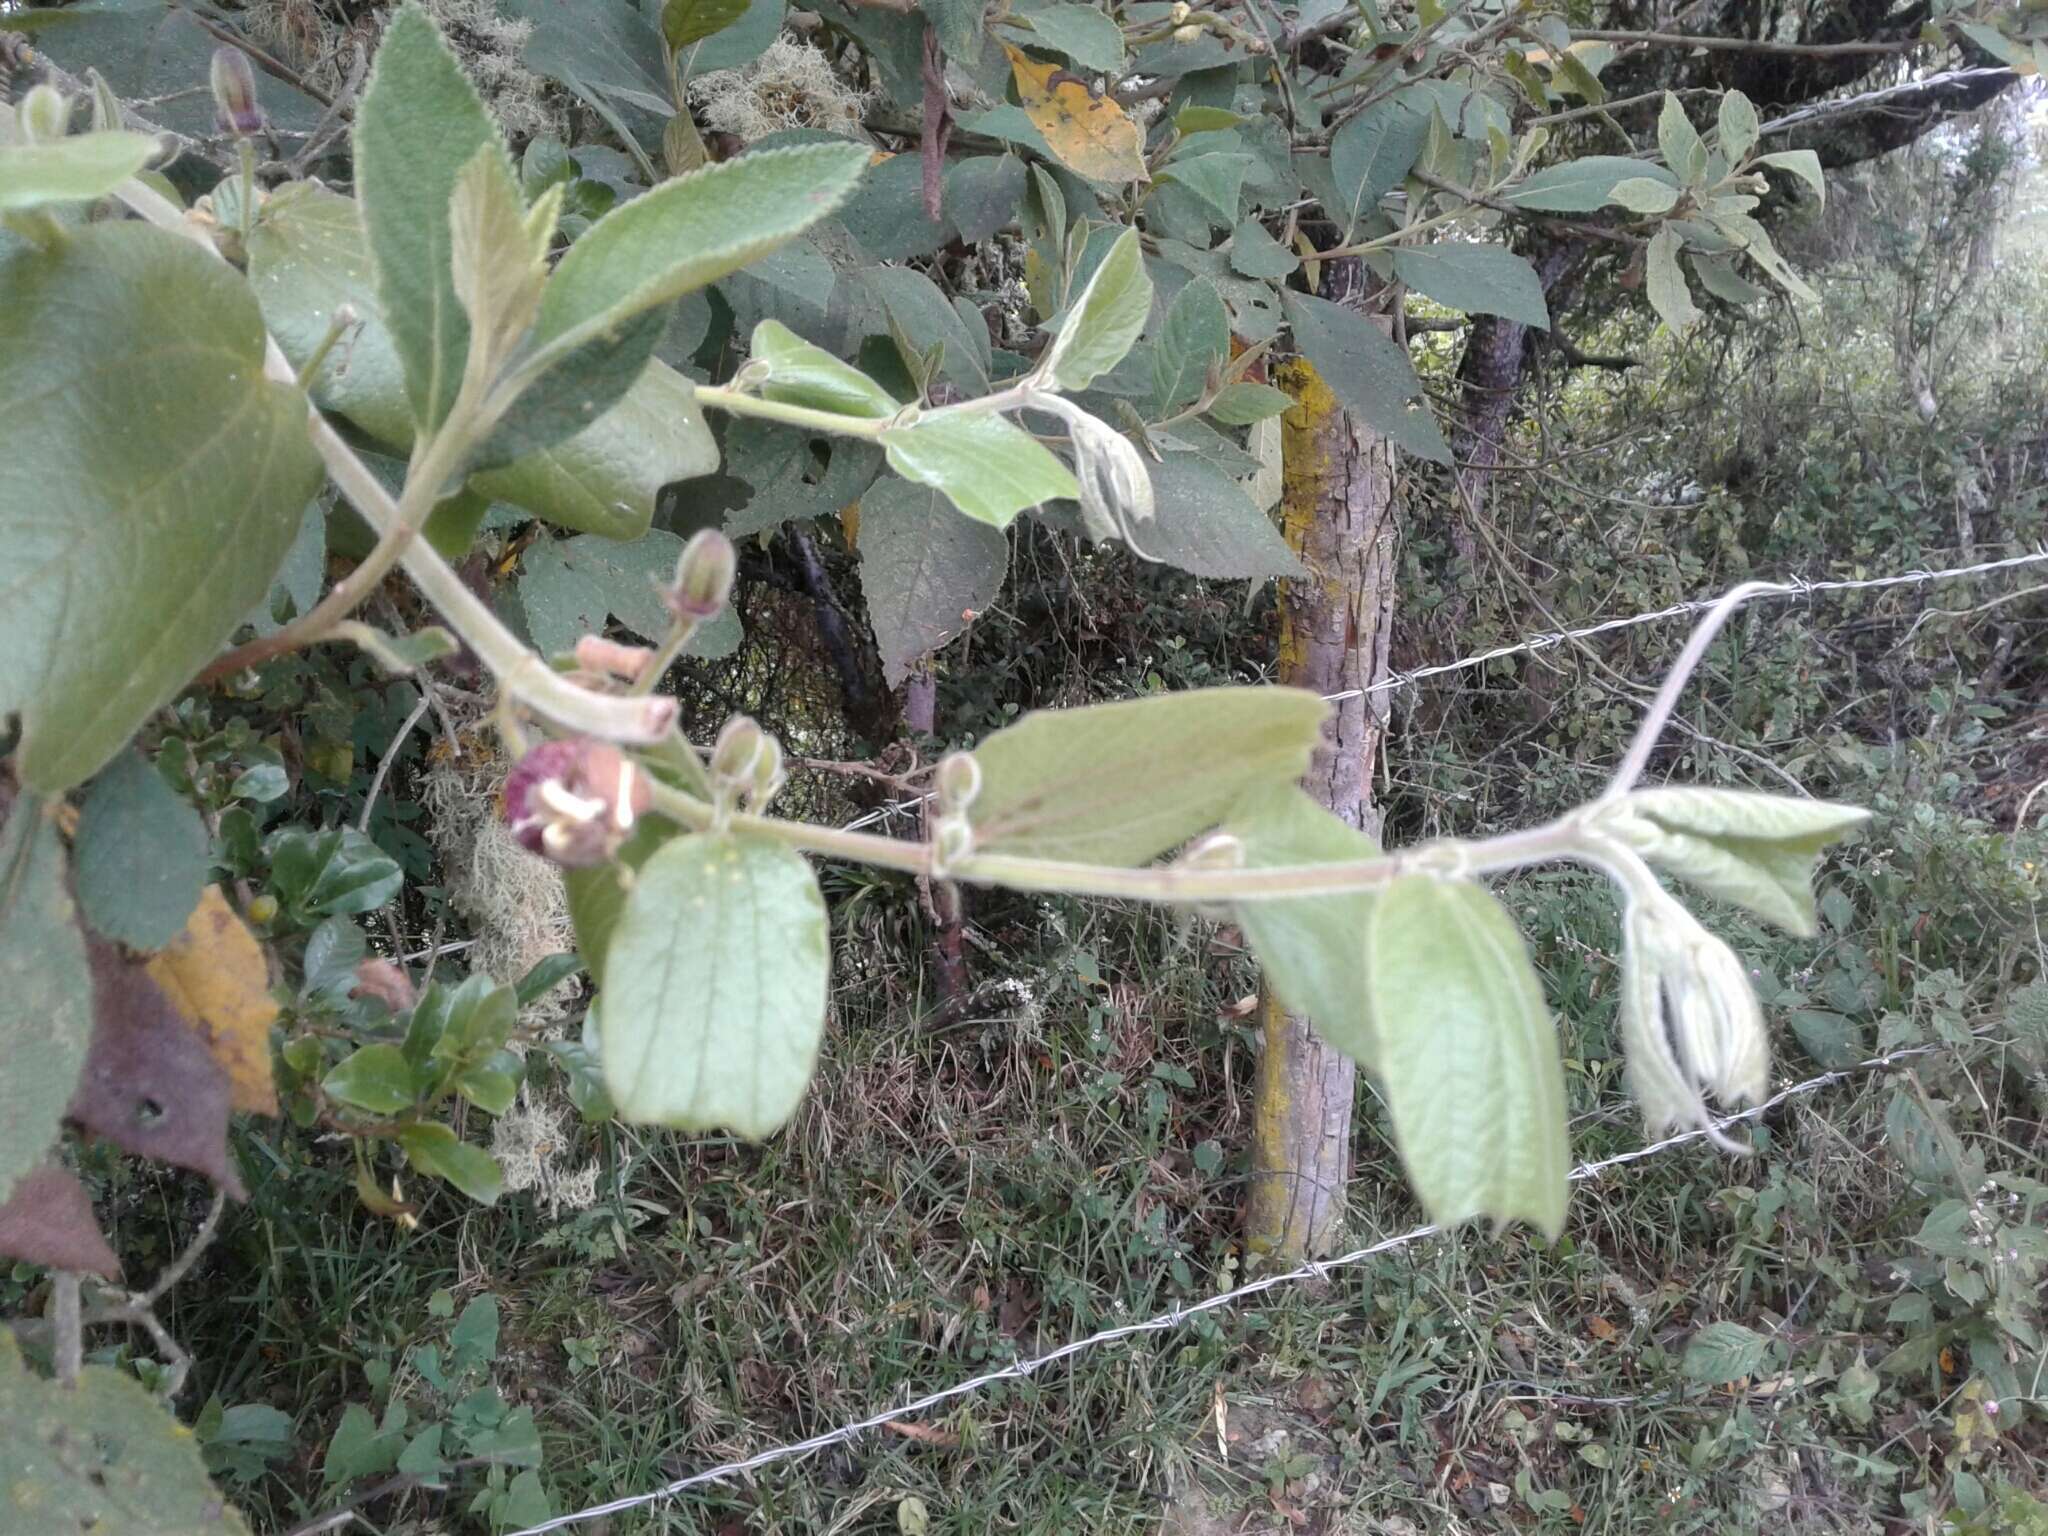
[(1321, 1269)]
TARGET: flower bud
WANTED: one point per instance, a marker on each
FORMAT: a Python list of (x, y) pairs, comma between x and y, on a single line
[(263, 910), (704, 574), (235, 107), (735, 753), (769, 775), (1180, 13), (1191, 33), (44, 115), (956, 782), (1690, 1020), (575, 801)]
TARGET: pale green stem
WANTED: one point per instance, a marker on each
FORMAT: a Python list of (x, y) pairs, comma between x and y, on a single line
[(680, 634), (1559, 840), (517, 669)]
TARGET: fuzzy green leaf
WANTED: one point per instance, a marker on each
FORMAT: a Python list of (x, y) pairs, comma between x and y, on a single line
[(47, 1023), (924, 571), (1312, 951), (101, 1454), (1371, 154), (1367, 372), (803, 374), (1803, 163), (1479, 279), (1122, 783), (140, 857), (151, 481), (1204, 522), (419, 123), (687, 22), (1468, 1054), (1102, 324), (73, 170), (1582, 185), (1242, 403), (987, 466), (1669, 295), (714, 987), (1723, 1352), (1195, 338), (1738, 126), (1679, 142), (1757, 851)]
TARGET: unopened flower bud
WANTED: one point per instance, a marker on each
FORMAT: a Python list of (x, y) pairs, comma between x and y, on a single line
[(1180, 13), (704, 574), (235, 107), (263, 910), (769, 775), (952, 843), (735, 753), (44, 115), (575, 801), (1690, 1019), (956, 782), (1191, 33)]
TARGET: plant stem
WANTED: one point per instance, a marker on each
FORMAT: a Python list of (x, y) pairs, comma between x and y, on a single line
[(1558, 840), (737, 403), (518, 670), (679, 635)]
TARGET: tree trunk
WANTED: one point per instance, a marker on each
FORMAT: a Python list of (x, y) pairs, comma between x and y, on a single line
[(1338, 506)]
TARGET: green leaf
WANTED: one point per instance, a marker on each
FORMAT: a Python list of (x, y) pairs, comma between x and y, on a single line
[(1479, 279), (140, 856), (781, 466), (1645, 195), (988, 467), (1101, 326), (359, 1448), (419, 122), (982, 194), (101, 1454), (742, 42), (1367, 372), (473, 1341), (806, 375), (684, 22), (1122, 783), (1242, 403), (1722, 1352), (1738, 127), (151, 481), (1215, 179), (1679, 142), (435, 1149), (1205, 522), (923, 570), (1580, 186), (1468, 1054), (1084, 34), (1195, 338), (1758, 851), (334, 873), (47, 1022), (714, 990), (1669, 295), (1370, 156), (374, 1078), (692, 230), (597, 896), (917, 308), (1830, 1039), (1312, 951), (74, 170), (1718, 276), (569, 588), (609, 49), (398, 655), (307, 257), (1257, 255), (1803, 163)]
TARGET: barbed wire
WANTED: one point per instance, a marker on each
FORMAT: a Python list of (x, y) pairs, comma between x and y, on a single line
[(1870, 99), (1316, 1269), (1793, 586)]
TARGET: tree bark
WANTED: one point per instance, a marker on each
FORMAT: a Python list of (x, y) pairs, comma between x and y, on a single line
[(1340, 518)]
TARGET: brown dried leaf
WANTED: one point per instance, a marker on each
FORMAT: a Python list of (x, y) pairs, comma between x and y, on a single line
[(49, 1221), (216, 976), (150, 1086), (1088, 131), (387, 983)]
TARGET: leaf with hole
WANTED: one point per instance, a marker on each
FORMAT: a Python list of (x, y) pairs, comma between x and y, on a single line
[(151, 481), (1468, 1054), (715, 982), (1122, 783)]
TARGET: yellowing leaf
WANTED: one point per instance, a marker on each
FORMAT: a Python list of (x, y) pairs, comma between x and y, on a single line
[(1089, 132), (215, 975)]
